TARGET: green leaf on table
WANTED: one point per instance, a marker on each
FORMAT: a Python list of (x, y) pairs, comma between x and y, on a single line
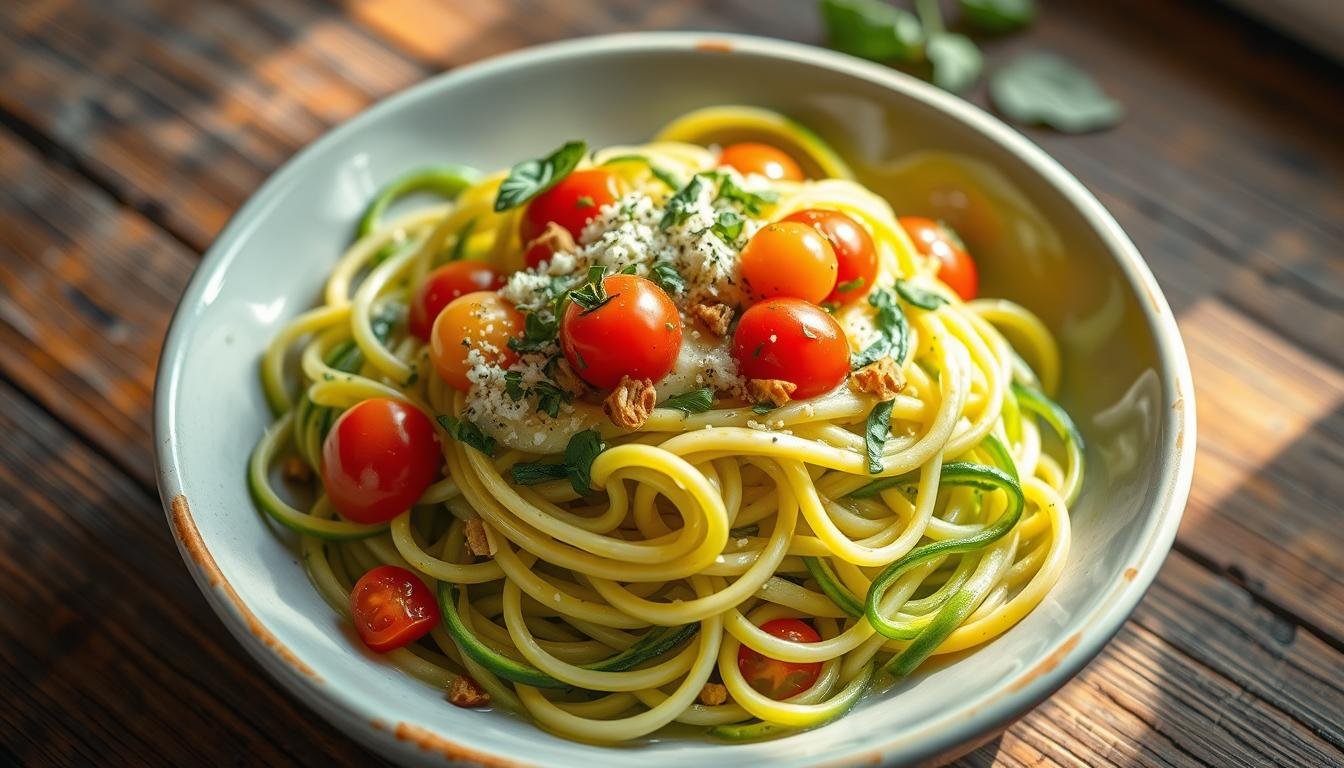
[(530, 178), (956, 61), (1047, 89), (871, 29), (998, 15)]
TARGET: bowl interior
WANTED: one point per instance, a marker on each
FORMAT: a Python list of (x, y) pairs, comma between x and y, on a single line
[(1039, 238)]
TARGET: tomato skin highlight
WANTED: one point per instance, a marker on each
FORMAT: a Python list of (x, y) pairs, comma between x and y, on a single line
[(855, 253), (571, 203), (446, 283), (956, 267), (637, 333), (788, 258), (775, 678), (480, 320), (753, 157), (792, 340), (378, 459), (391, 608)]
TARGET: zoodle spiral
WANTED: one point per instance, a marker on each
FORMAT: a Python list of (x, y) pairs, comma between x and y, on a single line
[(735, 557)]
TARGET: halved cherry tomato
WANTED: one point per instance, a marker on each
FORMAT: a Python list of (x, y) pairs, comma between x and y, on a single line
[(378, 459), (855, 253), (481, 321), (752, 157), (956, 267), (789, 258), (571, 203), (636, 333), (780, 679), (392, 607), (792, 340), (445, 284)]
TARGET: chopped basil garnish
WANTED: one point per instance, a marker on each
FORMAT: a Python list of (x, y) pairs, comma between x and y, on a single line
[(533, 472), (582, 450), (875, 436), (678, 208), (751, 202), (765, 406), (538, 333), (660, 174), (728, 226), (695, 401), (550, 397), (667, 277), (919, 297), (530, 178), (850, 285), (894, 333), (465, 432)]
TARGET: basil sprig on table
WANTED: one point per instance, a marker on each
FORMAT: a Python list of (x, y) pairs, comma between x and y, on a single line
[(530, 178), (1036, 89)]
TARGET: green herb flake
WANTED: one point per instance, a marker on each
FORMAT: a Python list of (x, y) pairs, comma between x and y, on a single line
[(665, 274), (763, 407), (694, 401), (530, 178), (1042, 88), (584, 201), (919, 297), (876, 433), (871, 29), (751, 202), (580, 453), (678, 208), (533, 472), (893, 330), (850, 285), (467, 433), (550, 397), (728, 226), (538, 334)]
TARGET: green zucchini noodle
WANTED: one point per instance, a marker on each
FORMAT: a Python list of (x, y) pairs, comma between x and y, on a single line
[(603, 616)]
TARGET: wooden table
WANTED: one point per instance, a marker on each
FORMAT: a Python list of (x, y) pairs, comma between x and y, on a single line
[(131, 129)]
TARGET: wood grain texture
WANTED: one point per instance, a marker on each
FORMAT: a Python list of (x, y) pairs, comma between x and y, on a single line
[(133, 128)]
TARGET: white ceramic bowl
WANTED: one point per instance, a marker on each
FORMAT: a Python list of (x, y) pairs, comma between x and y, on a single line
[(1127, 381)]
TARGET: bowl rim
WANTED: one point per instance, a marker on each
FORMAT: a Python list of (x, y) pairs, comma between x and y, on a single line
[(944, 736)]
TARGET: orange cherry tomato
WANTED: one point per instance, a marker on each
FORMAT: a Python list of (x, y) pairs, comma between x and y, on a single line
[(792, 340), (751, 157), (789, 258), (780, 679), (481, 321), (378, 459), (636, 333), (445, 284), (571, 203), (855, 254), (956, 268), (391, 608)]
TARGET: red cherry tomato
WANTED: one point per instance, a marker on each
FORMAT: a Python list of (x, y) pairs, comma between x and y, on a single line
[(378, 459), (956, 267), (855, 253), (391, 607), (792, 340), (751, 157), (789, 259), (571, 203), (780, 679), (637, 333), (445, 284), (481, 321)]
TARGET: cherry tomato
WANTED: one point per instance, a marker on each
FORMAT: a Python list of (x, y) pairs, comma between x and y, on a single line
[(445, 284), (570, 203), (751, 157), (780, 679), (637, 333), (391, 608), (378, 459), (792, 340), (956, 267), (789, 259), (481, 321), (855, 253)]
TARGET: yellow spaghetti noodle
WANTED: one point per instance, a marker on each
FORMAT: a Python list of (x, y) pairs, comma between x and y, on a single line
[(603, 616)]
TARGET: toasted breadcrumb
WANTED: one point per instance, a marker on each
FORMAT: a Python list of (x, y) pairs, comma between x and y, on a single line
[(477, 542), (466, 692), (777, 391), (296, 470), (882, 378), (716, 317), (713, 694), (630, 403)]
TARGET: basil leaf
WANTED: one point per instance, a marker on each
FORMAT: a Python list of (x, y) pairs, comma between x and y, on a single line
[(678, 208), (871, 29), (998, 15), (538, 333), (919, 297), (580, 454), (660, 174), (875, 436), (465, 432), (695, 401), (894, 332), (530, 178), (765, 406), (550, 397), (751, 202), (1044, 88), (667, 277), (533, 472), (849, 285), (956, 61), (513, 385), (728, 226)]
